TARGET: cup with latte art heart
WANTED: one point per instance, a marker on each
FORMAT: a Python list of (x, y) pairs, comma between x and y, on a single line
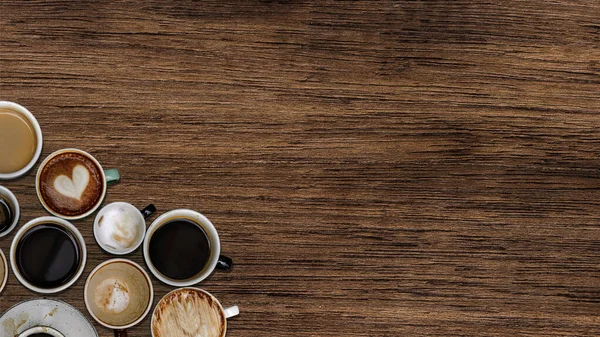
[(71, 183)]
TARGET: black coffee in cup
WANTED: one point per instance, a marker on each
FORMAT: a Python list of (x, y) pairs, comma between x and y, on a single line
[(41, 334), (6, 215), (48, 256), (180, 249)]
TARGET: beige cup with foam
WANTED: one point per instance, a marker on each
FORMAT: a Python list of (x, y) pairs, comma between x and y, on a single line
[(118, 294), (190, 312), (3, 271)]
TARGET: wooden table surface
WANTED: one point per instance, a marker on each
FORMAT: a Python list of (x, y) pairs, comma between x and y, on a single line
[(374, 168)]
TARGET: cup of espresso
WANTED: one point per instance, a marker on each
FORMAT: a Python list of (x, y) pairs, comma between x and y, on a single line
[(190, 312), (118, 294), (182, 248), (48, 255), (20, 140), (3, 271), (9, 211), (71, 183), (41, 331)]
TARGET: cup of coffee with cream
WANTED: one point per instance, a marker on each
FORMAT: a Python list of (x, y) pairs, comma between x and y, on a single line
[(190, 312), (71, 183), (119, 227), (3, 271), (48, 255), (182, 248), (9, 211), (20, 140), (118, 294)]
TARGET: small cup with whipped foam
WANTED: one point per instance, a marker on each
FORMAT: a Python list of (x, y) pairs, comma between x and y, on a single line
[(119, 227)]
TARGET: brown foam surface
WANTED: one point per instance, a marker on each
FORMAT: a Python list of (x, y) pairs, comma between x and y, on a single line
[(188, 313), (64, 165)]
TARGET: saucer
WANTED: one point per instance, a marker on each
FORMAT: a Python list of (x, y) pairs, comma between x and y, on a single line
[(50, 313)]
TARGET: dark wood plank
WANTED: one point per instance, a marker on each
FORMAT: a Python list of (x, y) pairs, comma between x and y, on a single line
[(389, 168)]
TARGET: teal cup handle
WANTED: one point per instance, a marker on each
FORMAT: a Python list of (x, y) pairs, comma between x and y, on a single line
[(112, 176)]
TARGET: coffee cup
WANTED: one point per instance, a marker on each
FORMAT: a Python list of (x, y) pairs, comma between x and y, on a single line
[(3, 271), (119, 227), (190, 312), (20, 140), (48, 255), (71, 183), (118, 294), (182, 248), (9, 211), (41, 331)]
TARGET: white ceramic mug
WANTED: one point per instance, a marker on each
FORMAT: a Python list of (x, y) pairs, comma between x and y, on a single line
[(108, 176), (41, 330), (216, 260), (7, 195), (118, 283), (38, 133), (52, 221), (120, 228), (190, 311)]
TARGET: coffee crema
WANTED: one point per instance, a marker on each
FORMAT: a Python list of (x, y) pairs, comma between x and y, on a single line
[(188, 312), (48, 256), (71, 184), (179, 249), (18, 141)]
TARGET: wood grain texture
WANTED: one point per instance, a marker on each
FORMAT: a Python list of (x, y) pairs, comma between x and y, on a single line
[(374, 168)]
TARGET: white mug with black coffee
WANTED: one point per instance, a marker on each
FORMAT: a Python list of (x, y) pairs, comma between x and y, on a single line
[(71, 183), (182, 248), (48, 255)]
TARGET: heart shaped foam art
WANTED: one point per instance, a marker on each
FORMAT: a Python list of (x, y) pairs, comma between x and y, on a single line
[(73, 187)]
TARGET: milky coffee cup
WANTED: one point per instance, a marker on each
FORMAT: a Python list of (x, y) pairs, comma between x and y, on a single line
[(33, 154), (182, 248), (118, 294), (71, 183), (190, 312), (3, 271), (119, 227)]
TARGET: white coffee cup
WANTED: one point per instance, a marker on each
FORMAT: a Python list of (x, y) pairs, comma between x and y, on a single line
[(120, 228), (190, 311), (41, 330), (3, 271), (215, 260), (118, 294), (7, 195), (64, 224), (109, 176), (38, 133)]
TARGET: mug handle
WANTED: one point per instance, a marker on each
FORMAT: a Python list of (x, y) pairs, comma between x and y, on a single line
[(121, 333), (148, 210), (230, 312), (112, 176), (224, 263)]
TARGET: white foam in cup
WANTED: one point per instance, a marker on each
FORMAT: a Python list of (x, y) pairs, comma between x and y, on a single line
[(119, 228)]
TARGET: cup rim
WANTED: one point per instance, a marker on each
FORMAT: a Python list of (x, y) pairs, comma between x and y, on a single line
[(43, 329), (183, 289), (61, 222), (138, 242), (38, 133), (43, 202), (148, 280), (5, 277), (13, 200), (199, 219)]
